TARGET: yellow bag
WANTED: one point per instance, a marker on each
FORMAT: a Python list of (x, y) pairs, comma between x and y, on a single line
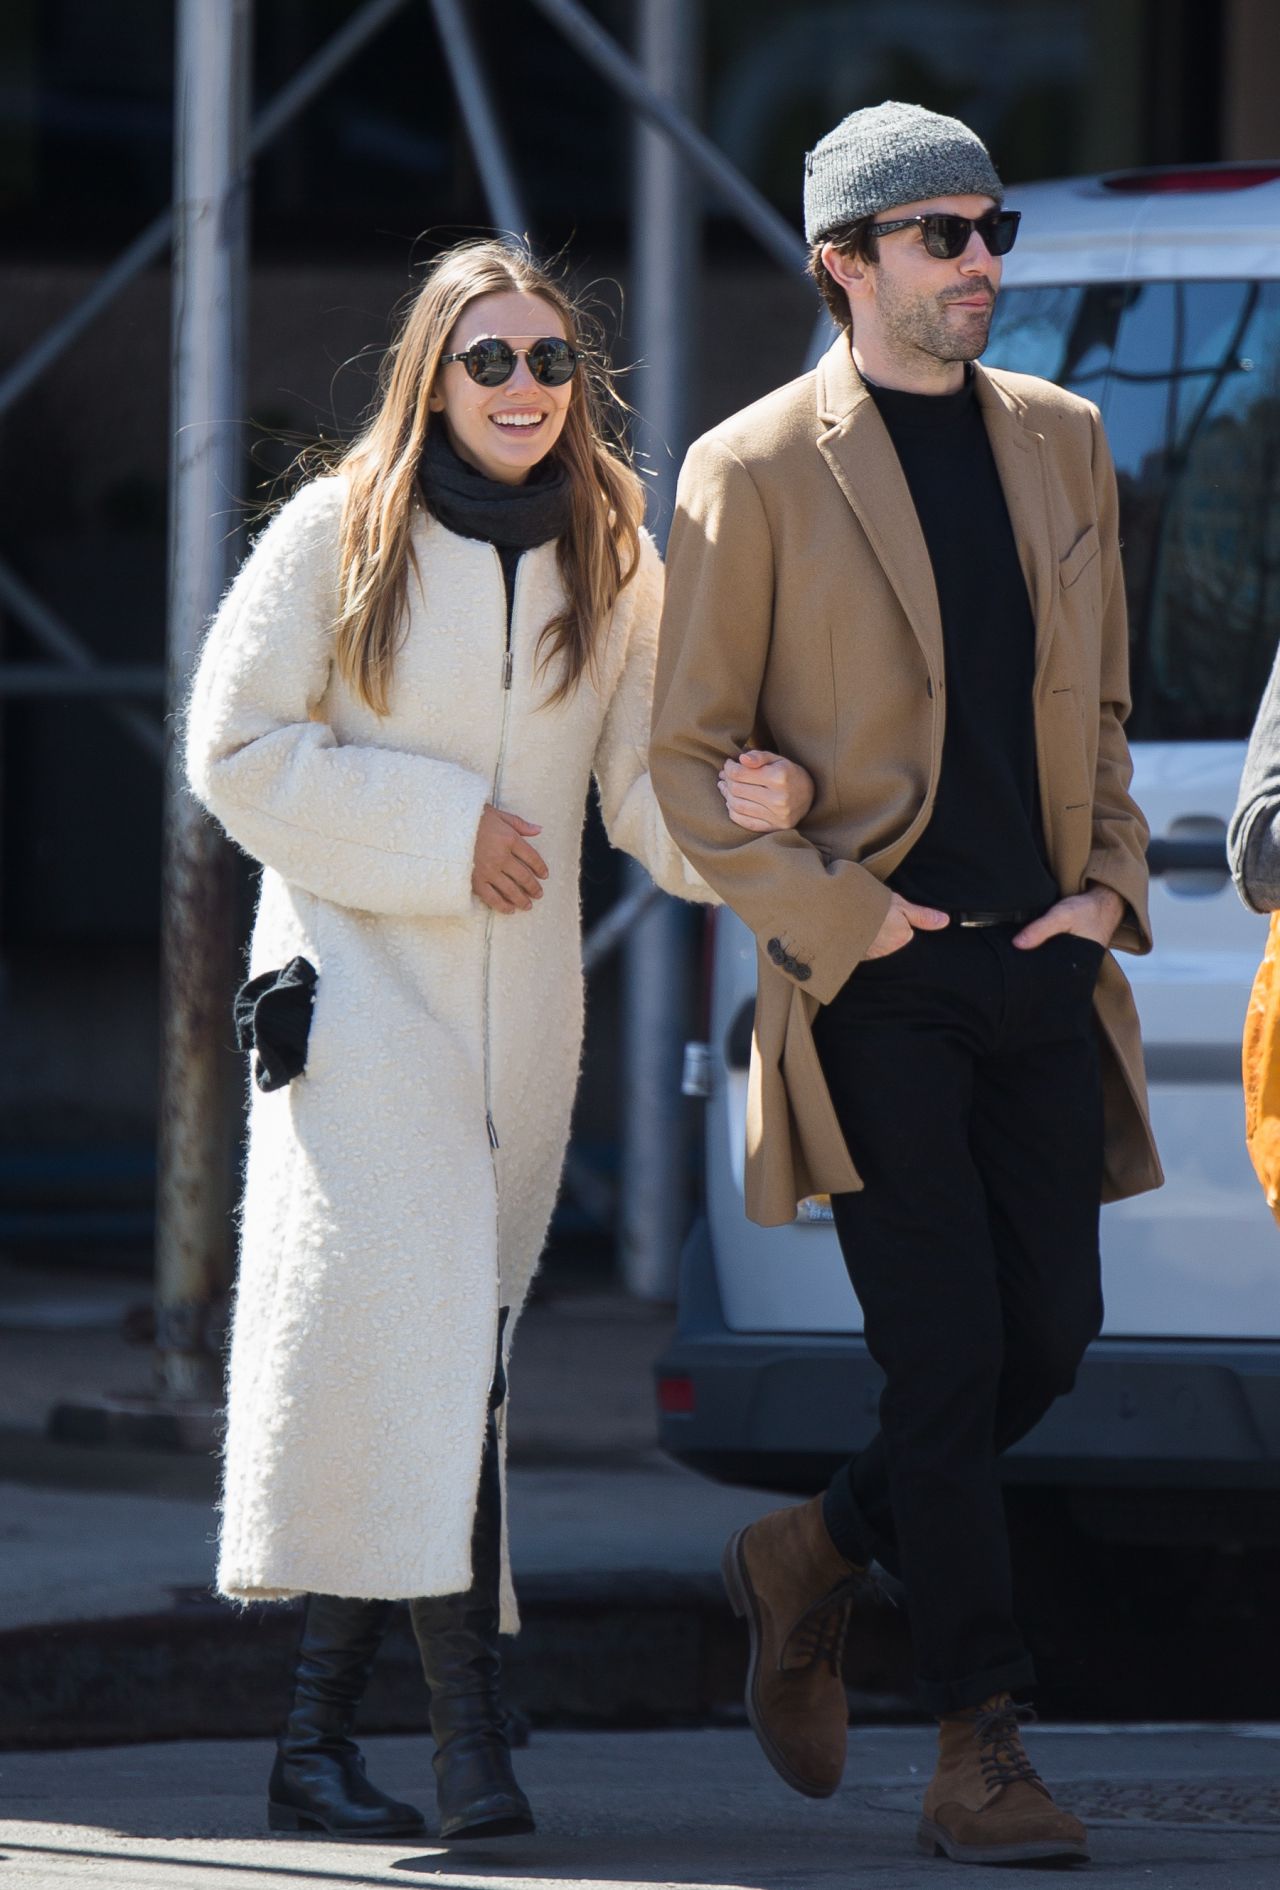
[(1261, 1070)]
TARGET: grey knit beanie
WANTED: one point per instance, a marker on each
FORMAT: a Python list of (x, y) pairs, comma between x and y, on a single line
[(890, 154)]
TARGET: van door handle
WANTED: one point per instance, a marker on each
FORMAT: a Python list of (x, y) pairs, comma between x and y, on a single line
[(1191, 857), (1186, 856)]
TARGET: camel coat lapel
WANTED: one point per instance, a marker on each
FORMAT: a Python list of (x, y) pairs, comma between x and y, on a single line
[(866, 467), (857, 447)]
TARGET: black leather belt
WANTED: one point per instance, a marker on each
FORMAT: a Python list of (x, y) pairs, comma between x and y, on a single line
[(1021, 917)]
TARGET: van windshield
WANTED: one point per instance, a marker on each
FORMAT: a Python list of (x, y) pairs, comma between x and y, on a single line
[(1187, 375)]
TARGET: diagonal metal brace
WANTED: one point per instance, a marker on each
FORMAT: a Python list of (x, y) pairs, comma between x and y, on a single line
[(49, 630), (608, 933), (152, 242), (484, 130), (758, 215)]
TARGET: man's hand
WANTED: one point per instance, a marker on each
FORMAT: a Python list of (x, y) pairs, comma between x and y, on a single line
[(900, 922), (765, 792), (1094, 913), (506, 870)]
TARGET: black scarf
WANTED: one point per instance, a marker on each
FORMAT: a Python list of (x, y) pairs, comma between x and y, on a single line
[(511, 518)]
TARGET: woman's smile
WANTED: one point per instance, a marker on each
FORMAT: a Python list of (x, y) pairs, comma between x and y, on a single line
[(520, 419)]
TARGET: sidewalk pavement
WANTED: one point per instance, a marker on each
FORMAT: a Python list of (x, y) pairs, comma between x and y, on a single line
[(109, 1630), (1168, 1809), (581, 1375), (90, 1532)]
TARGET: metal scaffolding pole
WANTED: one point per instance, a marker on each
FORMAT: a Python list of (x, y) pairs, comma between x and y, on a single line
[(655, 967), (95, 681), (193, 1197)]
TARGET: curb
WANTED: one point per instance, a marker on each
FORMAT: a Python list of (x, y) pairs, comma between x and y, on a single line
[(634, 1650)]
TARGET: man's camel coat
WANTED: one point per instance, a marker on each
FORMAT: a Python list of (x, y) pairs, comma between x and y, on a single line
[(801, 615)]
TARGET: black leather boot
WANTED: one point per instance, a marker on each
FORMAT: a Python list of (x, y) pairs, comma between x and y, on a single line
[(457, 1637), (318, 1781)]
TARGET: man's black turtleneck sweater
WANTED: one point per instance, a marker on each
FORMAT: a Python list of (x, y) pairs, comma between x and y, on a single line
[(983, 849)]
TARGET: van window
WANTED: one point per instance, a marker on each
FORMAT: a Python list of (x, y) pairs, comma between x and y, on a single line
[(1187, 375)]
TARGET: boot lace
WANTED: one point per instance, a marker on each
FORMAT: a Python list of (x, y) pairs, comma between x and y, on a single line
[(1001, 1753), (819, 1635)]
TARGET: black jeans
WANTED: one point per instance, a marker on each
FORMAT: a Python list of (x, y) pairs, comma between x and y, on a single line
[(965, 1075)]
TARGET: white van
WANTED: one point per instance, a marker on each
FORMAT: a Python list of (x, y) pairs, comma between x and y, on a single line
[(1156, 295)]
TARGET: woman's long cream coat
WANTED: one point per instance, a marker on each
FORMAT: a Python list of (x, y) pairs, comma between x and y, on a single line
[(381, 1230)]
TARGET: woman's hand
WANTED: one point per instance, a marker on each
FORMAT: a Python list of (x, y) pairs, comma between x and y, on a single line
[(507, 869), (765, 792)]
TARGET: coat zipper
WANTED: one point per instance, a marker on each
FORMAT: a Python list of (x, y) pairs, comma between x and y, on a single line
[(508, 664)]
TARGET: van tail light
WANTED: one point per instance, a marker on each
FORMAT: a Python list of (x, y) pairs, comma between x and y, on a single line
[(676, 1397), (1189, 179)]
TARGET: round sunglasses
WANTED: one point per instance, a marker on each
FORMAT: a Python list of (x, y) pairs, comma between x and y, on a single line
[(491, 361), (946, 236)]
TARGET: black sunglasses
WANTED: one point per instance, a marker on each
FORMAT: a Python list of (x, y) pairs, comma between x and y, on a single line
[(491, 361), (946, 236)]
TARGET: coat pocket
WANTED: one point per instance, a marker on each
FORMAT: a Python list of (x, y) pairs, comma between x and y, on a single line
[(273, 1019), (1080, 557)]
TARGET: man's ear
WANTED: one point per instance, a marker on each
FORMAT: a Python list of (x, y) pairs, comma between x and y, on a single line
[(851, 272)]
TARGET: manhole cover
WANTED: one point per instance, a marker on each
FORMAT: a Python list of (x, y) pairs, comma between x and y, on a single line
[(1214, 1803), (1177, 1801)]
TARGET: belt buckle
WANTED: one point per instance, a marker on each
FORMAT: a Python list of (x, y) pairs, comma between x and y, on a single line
[(981, 920)]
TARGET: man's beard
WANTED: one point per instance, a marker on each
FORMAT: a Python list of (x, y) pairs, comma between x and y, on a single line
[(921, 325)]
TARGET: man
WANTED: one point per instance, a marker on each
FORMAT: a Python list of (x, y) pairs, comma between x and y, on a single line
[(903, 570)]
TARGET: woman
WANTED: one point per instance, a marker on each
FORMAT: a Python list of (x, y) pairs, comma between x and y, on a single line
[(398, 712)]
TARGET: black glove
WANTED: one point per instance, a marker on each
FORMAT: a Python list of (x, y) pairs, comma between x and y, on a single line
[(273, 1018)]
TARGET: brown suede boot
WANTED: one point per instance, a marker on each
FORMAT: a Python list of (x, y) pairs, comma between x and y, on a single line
[(792, 1586), (986, 1803)]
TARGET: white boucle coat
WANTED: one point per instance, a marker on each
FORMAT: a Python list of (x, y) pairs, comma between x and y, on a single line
[(381, 1232)]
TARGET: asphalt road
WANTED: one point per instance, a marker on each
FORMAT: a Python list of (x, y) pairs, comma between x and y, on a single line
[(1169, 1809)]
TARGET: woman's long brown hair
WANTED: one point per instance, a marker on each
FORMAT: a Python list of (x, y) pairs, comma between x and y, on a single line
[(597, 555)]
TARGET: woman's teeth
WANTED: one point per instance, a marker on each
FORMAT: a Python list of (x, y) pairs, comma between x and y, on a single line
[(517, 419)]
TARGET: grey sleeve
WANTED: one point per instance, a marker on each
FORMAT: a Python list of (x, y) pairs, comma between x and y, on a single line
[(1253, 838)]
